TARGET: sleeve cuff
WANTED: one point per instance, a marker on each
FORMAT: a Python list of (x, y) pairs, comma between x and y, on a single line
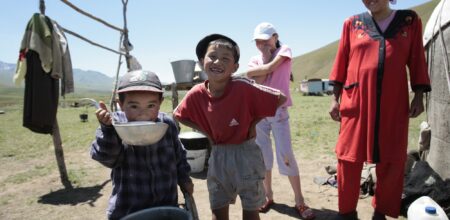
[(107, 129), (423, 88), (334, 82)]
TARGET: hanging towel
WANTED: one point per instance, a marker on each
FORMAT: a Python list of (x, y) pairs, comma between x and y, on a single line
[(38, 37)]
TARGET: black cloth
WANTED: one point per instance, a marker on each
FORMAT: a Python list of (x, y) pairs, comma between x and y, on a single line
[(424, 181), (40, 97)]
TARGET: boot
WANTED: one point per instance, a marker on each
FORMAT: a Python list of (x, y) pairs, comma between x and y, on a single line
[(347, 216), (378, 216)]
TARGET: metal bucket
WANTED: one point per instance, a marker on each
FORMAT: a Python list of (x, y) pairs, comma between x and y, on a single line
[(84, 117), (183, 70), (192, 140), (160, 213)]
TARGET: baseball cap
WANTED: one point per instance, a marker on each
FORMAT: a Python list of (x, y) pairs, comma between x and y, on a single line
[(202, 45), (139, 80), (264, 31)]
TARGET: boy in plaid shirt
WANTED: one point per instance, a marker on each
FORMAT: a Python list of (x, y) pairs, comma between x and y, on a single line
[(142, 176)]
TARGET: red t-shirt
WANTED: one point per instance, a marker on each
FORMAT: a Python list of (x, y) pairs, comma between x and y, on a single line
[(227, 119)]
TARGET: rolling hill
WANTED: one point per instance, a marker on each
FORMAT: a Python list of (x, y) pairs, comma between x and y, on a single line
[(318, 63)]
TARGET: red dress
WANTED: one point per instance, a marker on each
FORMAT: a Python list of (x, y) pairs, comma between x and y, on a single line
[(371, 66)]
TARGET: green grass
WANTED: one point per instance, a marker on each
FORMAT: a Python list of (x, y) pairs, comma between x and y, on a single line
[(314, 133), (312, 130), (28, 175)]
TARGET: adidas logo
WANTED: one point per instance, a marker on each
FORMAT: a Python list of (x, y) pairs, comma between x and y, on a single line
[(233, 122)]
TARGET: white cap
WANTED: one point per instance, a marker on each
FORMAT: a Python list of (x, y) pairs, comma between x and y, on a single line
[(264, 31)]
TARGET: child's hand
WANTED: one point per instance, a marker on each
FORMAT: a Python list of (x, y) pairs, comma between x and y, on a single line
[(189, 188), (266, 54), (103, 114)]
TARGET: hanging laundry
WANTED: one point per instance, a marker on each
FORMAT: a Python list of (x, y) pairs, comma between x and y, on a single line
[(45, 37), (62, 64), (40, 97), (44, 59)]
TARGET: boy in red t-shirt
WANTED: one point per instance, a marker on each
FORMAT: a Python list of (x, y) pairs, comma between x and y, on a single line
[(226, 109)]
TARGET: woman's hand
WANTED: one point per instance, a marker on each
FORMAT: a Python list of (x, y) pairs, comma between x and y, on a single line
[(416, 107), (266, 54), (334, 110)]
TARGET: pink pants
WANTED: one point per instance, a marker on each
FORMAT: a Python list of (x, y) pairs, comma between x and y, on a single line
[(279, 126)]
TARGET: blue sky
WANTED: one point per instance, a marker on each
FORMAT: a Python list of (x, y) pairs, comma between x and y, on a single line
[(168, 30)]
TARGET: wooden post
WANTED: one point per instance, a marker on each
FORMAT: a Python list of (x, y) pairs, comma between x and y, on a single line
[(175, 101), (60, 156), (174, 95), (42, 6), (57, 137)]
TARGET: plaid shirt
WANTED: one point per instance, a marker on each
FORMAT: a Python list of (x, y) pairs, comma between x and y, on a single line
[(142, 176)]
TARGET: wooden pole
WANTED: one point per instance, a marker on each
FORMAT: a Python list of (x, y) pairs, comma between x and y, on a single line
[(42, 6), (59, 153), (174, 95), (175, 101), (126, 41), (113, 106), (91, 42), (91, 16)]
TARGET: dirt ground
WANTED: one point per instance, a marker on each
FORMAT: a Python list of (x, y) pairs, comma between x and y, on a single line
[(322, 199), (45, 198)]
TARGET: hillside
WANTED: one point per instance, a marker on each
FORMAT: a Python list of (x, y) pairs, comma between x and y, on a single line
[(318, 63)]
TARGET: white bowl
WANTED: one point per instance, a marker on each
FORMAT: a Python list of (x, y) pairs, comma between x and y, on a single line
[(141, 132)]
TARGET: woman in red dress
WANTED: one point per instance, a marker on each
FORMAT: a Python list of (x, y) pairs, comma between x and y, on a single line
[(371, 101)]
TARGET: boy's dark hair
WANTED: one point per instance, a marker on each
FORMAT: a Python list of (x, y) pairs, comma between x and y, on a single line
[(217, 39), (122, 96)]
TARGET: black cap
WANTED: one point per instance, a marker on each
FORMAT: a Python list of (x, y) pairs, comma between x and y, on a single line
[(139, 80), (202, 45)]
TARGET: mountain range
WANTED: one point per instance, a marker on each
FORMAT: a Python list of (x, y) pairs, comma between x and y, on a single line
[(83, 79)]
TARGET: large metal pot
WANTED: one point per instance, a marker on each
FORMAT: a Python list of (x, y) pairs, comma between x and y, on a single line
[(194, 140)]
